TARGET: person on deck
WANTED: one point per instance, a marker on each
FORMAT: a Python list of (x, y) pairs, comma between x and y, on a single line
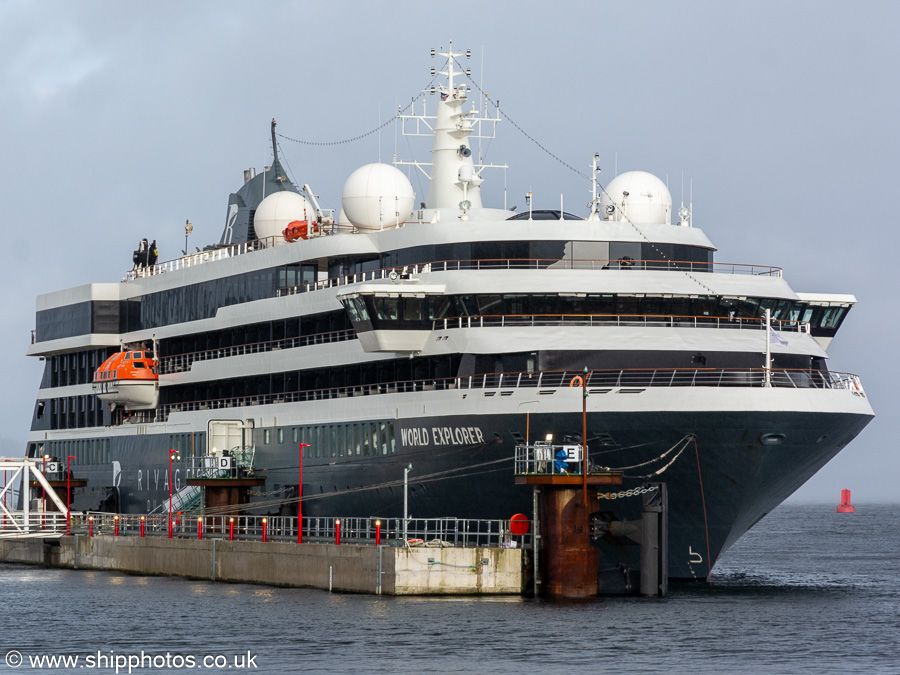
[(561, 464)]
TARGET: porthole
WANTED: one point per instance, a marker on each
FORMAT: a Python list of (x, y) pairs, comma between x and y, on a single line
[(772, 439)]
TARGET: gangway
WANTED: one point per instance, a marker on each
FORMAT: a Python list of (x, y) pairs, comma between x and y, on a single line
[(187, 498), (27, 522)]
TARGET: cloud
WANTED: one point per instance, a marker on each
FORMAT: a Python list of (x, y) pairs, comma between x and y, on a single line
[(48, 58)]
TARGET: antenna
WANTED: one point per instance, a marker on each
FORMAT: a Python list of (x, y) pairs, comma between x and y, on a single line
[(594, 172), (481, 82)]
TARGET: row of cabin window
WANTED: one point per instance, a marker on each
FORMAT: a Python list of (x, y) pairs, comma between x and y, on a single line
[(341, 440), (69, 412), (67, 369), (256, 333), (451, 306), (189, 445), (87, 451)]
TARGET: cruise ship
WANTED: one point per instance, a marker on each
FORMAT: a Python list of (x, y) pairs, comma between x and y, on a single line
[(438, 333)]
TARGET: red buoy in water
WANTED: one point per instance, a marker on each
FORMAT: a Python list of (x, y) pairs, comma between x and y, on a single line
[(845, 505)]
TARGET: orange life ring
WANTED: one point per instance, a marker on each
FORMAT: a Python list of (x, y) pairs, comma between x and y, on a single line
[(577, 381), (414, 542)]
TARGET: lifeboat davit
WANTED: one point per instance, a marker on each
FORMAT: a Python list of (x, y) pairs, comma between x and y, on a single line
[(129, 379)]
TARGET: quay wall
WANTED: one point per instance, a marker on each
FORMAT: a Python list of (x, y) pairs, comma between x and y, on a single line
[(346, 568)]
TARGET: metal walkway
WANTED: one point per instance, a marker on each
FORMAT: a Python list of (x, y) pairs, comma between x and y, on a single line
[(29, 523)]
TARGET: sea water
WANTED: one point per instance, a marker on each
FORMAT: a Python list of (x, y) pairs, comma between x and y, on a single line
[(806, 591)]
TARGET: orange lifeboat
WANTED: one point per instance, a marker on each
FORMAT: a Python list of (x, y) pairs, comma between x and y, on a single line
[(130, 379), (299, 229)]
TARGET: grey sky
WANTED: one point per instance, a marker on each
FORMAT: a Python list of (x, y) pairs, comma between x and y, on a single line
[(121, 120)]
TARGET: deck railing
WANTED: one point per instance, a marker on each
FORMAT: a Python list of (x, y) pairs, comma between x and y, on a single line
[(625, 263), (619, 320), (181, 362), (549, 381), (404, 272)]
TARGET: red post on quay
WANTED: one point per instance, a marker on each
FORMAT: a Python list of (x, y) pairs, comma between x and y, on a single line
[(142, 525), (264, 524), (91, 526), (337, 532), (231, 529), (378, 533), (199, 528), (117, 525)]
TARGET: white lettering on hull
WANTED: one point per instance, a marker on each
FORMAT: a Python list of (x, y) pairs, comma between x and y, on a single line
[(441, 436)]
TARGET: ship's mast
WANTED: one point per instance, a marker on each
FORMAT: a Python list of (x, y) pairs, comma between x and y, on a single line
[(455, 177), (454, 181)]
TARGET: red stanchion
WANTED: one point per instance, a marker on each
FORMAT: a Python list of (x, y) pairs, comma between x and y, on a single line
[(337, 532), (142, 525), (231, 529), (199, 528), (117, 526), (300, 496), (378, 533), (91, 526), (170, 528), (264, 522)]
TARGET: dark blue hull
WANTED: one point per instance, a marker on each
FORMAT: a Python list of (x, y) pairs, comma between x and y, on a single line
[(719, 488)]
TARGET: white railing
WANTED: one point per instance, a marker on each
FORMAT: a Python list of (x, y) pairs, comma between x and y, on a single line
[(550, 381), (619, 320), (407, 271), (455, 532), (182, 362), (32, 525), (199, 258), (545, 459)]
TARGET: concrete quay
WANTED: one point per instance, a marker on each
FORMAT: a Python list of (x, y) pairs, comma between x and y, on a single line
[(348, 568)]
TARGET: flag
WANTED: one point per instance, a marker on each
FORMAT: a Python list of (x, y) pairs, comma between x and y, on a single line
[(775, 338)]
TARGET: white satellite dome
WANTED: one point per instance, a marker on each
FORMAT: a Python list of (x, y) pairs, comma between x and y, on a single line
[(639, 196), (277, 210), (377, 196)]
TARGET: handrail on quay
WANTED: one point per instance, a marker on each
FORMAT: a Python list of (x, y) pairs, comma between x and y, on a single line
[(434, 532)]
